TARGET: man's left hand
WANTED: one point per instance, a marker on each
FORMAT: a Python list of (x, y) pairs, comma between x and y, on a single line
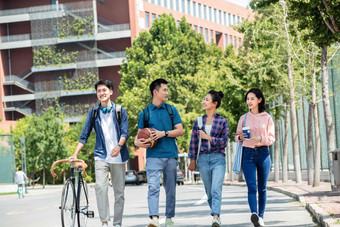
[(115, 151), (157, 134)]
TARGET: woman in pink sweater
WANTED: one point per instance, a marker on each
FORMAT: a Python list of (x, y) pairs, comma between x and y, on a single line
[(255, 156)]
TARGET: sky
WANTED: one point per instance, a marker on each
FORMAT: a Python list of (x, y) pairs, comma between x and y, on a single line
[(243, 3)]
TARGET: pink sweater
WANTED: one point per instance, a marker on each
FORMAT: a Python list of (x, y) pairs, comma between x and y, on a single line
[(260, 125)]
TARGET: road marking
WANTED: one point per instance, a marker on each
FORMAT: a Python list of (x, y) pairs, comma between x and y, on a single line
[(14, 213), (41, 208), (203, 200)]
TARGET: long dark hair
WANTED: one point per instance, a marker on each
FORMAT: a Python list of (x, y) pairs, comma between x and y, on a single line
[(258, 93), (216, 96)]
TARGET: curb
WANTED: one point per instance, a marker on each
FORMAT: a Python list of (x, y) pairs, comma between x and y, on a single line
[(320, 216)]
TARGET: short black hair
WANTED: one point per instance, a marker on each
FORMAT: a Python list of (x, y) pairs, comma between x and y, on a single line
[(258, 93), (216, 97), (105, 82), (20, 168), (156, 84)]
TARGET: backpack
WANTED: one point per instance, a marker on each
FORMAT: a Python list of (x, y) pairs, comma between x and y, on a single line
[(118, 111), (147, 115)]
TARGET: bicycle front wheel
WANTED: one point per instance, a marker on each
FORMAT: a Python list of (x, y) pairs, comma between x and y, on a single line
[(83, 204), (68, 205)]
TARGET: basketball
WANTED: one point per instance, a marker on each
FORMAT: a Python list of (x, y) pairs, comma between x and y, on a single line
[(145, 134)]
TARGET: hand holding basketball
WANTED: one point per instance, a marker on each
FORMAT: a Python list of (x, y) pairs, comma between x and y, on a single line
[(148, 137)]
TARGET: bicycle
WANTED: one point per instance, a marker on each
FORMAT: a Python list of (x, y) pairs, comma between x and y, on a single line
[(74, 197)]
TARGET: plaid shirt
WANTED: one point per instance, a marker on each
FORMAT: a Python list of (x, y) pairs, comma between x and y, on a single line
[(219, 135)]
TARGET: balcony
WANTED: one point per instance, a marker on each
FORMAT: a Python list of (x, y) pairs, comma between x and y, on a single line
[(105, 32)]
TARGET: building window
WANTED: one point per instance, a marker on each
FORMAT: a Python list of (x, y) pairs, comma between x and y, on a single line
[(229, 19), (195, 28), (153, 1), (153, 17), (171, 4), (159, 2), (53, 2), (206, 35), (188, 7), (225, 40), (215, 15), (220, 17), (210, 13), (234, 20), (235, 44), (201, 30), (230, 39), (177, 5), (205, 12), (212, 36), (147, 22), (183, 6), (165, 3), (194, 9), (199, 11), (178, 22), (239, 42), (225, 18)]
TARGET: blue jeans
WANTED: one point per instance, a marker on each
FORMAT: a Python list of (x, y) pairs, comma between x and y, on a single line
[(256, 159), (212, 170), (154, 168)]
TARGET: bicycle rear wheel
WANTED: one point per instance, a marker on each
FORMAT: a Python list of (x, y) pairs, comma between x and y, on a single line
[(68, 205), (83, 204)]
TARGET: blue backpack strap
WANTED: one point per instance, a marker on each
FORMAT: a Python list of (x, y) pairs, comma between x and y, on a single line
[(244, 121)]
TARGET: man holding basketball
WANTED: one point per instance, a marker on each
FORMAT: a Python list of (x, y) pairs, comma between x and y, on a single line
[(110, 151), (163, 157)]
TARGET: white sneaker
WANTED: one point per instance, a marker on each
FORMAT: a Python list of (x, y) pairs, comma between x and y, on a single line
[(255, 219), (154, 223), (261, 222), (105, 225), (216, 222), (169, 223)]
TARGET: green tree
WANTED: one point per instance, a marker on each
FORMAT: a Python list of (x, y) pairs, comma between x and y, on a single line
[(177, 54), (44, 141)]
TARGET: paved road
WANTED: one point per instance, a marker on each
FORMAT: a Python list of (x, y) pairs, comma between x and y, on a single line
[(40, 208)]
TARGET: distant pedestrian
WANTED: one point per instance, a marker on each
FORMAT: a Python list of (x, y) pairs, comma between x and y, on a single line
[(255, 157), (20, 177), (163, 157), (211, 159)]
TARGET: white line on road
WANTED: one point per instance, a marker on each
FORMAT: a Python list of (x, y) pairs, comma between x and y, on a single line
[(16, 212)]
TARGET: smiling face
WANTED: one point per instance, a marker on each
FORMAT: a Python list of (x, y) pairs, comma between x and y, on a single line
[(207, 103), (103, 93), (253, 102), (162, 93)]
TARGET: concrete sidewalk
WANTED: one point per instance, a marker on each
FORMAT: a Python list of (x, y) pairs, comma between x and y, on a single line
[(321, 201)]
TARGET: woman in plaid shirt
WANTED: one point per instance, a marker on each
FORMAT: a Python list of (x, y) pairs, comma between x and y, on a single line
[(211, 158)]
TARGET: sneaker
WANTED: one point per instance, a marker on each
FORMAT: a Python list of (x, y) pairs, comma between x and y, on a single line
[(255, 219), (105, 225), (216, 222), (169, 223), (154, 223), (261, 222)]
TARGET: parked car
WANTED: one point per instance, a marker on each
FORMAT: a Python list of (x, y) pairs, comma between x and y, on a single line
[(180, 177), (142, 176), (131, 177)]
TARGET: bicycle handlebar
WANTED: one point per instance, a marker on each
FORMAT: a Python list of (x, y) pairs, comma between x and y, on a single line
[(79, 163)]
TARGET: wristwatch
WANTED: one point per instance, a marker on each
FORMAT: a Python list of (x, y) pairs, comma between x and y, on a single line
[(166, 133), (119, 145)]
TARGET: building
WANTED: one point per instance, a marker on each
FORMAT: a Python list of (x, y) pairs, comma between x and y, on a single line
[(52, 51)]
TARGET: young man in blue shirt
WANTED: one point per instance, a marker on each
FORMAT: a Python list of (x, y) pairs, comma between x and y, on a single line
[(163, 157), (110, 152)]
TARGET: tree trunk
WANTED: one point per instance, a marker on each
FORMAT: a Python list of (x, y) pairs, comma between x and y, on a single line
[(276, 152), (297, 166), (44, 168), (310, 149), (328, 116), (285, 148)]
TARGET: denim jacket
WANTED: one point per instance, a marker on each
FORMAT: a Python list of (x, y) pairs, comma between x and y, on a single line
[(100, 148)]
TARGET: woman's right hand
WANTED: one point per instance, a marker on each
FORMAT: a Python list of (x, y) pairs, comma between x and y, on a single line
[(242, 136), (192, 165)]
